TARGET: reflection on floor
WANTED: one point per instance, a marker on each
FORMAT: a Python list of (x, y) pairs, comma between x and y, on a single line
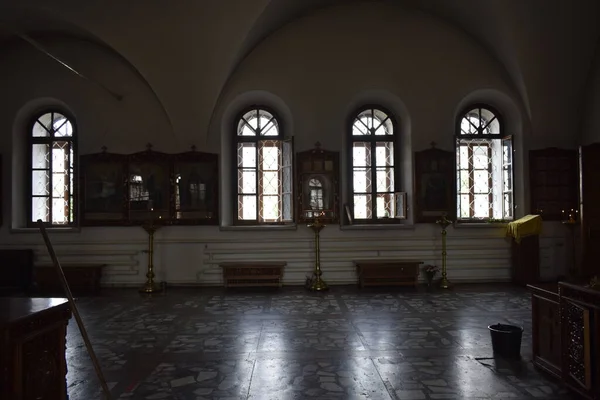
[(291, 344)]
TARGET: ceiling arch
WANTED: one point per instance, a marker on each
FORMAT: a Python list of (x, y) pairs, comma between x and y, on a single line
[(18, 25), (194, 46), (481, 21)]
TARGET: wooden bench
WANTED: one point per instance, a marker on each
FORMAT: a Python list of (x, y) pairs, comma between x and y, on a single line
[(252, 273), (387, 272), (82, 278)]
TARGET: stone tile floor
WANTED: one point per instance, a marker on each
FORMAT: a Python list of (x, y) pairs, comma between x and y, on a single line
[(347, 343)]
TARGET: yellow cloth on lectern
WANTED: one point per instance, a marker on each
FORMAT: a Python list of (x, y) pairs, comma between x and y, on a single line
[(527, 226)]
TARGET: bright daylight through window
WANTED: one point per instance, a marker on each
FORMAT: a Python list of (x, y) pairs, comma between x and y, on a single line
[(484, 167), (52, 147), (373, 152), (264, 170)]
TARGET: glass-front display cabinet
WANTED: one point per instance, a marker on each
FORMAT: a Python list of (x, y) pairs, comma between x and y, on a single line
[(317, 179)]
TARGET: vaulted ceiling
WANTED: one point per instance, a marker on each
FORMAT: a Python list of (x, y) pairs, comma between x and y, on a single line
[(545, 47)]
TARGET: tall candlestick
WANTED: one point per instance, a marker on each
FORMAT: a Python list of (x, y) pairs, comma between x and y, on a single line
[(444, 222), (318, 284), (150, 287)]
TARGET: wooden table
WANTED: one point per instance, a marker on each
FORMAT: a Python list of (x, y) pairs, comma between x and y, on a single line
[(252, 273), (387, 272), (32, 348)]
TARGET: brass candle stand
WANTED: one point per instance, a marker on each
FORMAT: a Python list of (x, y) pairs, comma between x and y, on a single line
[(150, 287), (444, 222), (317, 284)]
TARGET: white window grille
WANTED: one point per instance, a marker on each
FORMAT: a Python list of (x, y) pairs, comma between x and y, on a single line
[(484, 167), (264, 170), (373, 165), (52, 165)]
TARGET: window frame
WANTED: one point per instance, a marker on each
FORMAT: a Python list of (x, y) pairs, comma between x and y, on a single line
[(500, 137), (31, 140), (372, 139), (256, 139)]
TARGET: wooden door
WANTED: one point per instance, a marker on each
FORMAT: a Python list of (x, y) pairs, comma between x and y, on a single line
[(589, 164)]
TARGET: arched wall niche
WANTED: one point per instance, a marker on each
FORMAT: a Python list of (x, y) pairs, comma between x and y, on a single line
[(514, 124), (513, 116), (227, 133), (18, 172), (38, 82), (394, 104)]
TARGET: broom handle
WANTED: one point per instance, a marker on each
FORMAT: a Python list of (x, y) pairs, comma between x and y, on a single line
[(67, 290)]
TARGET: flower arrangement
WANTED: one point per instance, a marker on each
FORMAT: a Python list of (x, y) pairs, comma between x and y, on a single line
[(430, 269)]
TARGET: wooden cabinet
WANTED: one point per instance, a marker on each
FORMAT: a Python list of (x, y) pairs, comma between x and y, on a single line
[(317, 185), (553, 182), (32, 348), (580, 332), (566, 335), (545, 318), (590, 209), (381, 272)]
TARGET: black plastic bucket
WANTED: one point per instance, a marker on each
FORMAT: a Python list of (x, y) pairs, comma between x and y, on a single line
[(506, 340)]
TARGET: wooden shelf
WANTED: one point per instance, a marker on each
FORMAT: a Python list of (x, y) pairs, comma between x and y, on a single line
[(553, 179)]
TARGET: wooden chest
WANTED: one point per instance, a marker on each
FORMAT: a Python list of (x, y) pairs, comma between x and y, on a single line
[(252, 273), (387, 272)]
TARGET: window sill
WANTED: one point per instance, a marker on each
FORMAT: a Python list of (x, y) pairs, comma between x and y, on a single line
[(242, 228), (360, 227), (48, 229)]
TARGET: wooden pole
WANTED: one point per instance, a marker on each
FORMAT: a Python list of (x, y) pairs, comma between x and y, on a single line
[(67, 290)]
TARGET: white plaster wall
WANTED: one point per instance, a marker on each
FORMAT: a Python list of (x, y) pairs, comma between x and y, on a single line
[(320, 63), (190, 255), (320, 67), (122, 126)]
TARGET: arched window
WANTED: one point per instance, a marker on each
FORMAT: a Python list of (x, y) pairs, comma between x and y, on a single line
[(264, 169), (484, 166), (315, 187), (52, 153), (373, 156)]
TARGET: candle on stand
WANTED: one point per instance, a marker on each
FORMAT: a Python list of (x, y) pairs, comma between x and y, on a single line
[(570, 216), (573, 215)]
